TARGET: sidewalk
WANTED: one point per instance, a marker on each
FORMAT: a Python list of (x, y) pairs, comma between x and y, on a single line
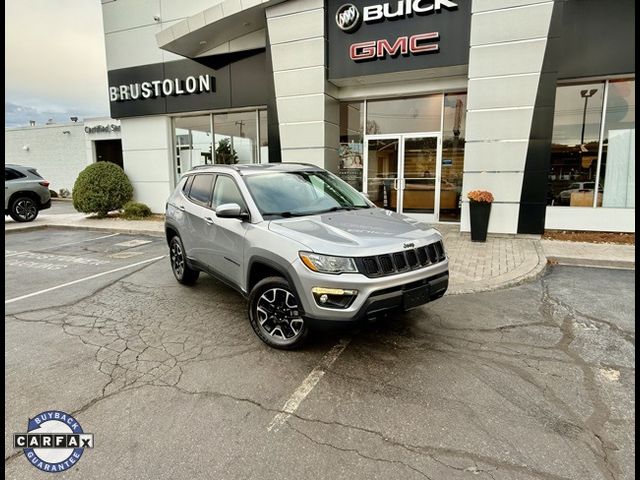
[(500, 262)]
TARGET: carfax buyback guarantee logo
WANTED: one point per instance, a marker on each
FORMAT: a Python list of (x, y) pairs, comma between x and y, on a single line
[(54, 441)]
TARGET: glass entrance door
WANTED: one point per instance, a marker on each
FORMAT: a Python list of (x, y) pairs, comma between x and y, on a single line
[(420, 172), (403, 173), (383, 165)]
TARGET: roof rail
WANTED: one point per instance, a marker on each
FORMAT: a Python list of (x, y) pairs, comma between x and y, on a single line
[(196, 167)]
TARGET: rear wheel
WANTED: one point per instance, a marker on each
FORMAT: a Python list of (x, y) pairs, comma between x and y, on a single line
[(183, 272), (275, 314), (24, 209)]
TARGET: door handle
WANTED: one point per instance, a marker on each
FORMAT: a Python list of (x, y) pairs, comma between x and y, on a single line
[(209, 220), (395, 184), (181, 207)]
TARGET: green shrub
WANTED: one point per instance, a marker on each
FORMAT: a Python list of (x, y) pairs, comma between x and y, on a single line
[(100, 188), (53, 193), (135, 211)]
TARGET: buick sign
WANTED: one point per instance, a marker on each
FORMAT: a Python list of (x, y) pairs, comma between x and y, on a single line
[(348, 17)]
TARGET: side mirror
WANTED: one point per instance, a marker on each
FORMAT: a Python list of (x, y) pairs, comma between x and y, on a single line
[(231, 210)]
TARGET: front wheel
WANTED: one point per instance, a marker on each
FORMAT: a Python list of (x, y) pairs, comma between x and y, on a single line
[(275, 314), (24, 209), (183, 272)]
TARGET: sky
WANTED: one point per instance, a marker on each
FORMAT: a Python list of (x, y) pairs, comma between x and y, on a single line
[(55, 65)]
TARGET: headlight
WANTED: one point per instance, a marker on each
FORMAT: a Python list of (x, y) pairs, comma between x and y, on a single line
[(327, 264)]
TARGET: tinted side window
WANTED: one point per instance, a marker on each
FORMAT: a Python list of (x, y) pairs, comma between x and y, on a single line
[(226, 191), (201, 189), (187, 185), (35, 172), (11, 174)]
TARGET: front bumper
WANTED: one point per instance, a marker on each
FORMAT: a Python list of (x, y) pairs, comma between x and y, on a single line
[(375, 295)]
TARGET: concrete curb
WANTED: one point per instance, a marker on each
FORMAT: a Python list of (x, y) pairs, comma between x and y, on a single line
[(592, 262), (128, 231)]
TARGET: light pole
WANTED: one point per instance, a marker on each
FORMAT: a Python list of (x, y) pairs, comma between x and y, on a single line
[(586, 94)]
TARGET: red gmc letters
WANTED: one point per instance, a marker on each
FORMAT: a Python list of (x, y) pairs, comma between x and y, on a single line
[(414, 44)]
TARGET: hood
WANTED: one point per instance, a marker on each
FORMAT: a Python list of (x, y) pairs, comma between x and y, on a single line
[(356, 232)]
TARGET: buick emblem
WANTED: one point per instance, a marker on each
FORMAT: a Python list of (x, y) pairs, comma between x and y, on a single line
[(348, 17)]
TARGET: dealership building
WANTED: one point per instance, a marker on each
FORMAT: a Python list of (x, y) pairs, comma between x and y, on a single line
[(413, 102)]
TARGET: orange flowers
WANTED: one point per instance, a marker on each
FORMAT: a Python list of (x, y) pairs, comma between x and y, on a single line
[(482, 196)]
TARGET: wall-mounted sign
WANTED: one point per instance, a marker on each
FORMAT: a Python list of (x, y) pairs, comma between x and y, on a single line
[(166, 87), (349, 19), (189, 85), (368, 38), (102, 128)]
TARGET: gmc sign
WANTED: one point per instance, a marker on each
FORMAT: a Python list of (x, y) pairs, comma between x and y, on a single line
[(415, 44), (372, 37)]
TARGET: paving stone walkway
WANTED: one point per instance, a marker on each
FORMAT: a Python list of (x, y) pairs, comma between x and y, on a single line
[(497, 263)]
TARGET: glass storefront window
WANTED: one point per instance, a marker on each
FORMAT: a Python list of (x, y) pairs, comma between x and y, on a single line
[(351, 138), (618, 159), (587, 170), (404, 115), (414, 149), (193, 142), (235, 137), (575, 145), (453, 134)]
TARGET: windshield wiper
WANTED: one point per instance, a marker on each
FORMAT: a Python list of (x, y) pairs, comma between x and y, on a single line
[(288, 214)]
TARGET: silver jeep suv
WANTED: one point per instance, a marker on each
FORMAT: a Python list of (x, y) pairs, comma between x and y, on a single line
[(303, 246)]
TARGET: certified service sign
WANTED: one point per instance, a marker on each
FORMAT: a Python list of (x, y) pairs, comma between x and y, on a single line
[(54, 441)]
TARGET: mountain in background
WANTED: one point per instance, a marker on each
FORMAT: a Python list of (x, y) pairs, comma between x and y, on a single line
[(20, 115)]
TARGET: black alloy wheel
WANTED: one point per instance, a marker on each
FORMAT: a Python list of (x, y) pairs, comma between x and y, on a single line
[(181, 270)]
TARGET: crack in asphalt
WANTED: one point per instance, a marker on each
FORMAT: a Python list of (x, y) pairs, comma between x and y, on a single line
[(357, 452), (135, 350)]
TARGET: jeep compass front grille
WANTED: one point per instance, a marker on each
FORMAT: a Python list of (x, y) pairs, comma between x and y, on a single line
[(399, 262)]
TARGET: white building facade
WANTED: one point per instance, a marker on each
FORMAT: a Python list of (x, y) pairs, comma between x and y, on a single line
[(415, 103), (61, 151)]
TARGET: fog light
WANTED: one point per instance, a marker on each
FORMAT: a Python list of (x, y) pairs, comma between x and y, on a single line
[(333, 297)]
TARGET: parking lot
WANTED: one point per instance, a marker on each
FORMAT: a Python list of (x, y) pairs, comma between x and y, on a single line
[(531, 382)]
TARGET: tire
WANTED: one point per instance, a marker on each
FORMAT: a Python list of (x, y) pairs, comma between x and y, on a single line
[(181, 270), (24, 209), (275, 314)]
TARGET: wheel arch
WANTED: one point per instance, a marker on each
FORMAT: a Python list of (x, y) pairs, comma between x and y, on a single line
[(260, 268), (23, 193)]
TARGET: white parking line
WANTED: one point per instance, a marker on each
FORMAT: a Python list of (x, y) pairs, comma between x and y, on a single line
[(307, 385), (66, 244), (82, 241), (82, 280)]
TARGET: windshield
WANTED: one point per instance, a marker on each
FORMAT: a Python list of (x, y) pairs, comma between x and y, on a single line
[(288, 194)]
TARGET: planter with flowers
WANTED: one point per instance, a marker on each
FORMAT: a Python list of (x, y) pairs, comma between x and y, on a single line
[(479, 209)]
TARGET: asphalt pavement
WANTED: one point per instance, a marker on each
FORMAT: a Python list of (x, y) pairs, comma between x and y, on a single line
[(529, 382)]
